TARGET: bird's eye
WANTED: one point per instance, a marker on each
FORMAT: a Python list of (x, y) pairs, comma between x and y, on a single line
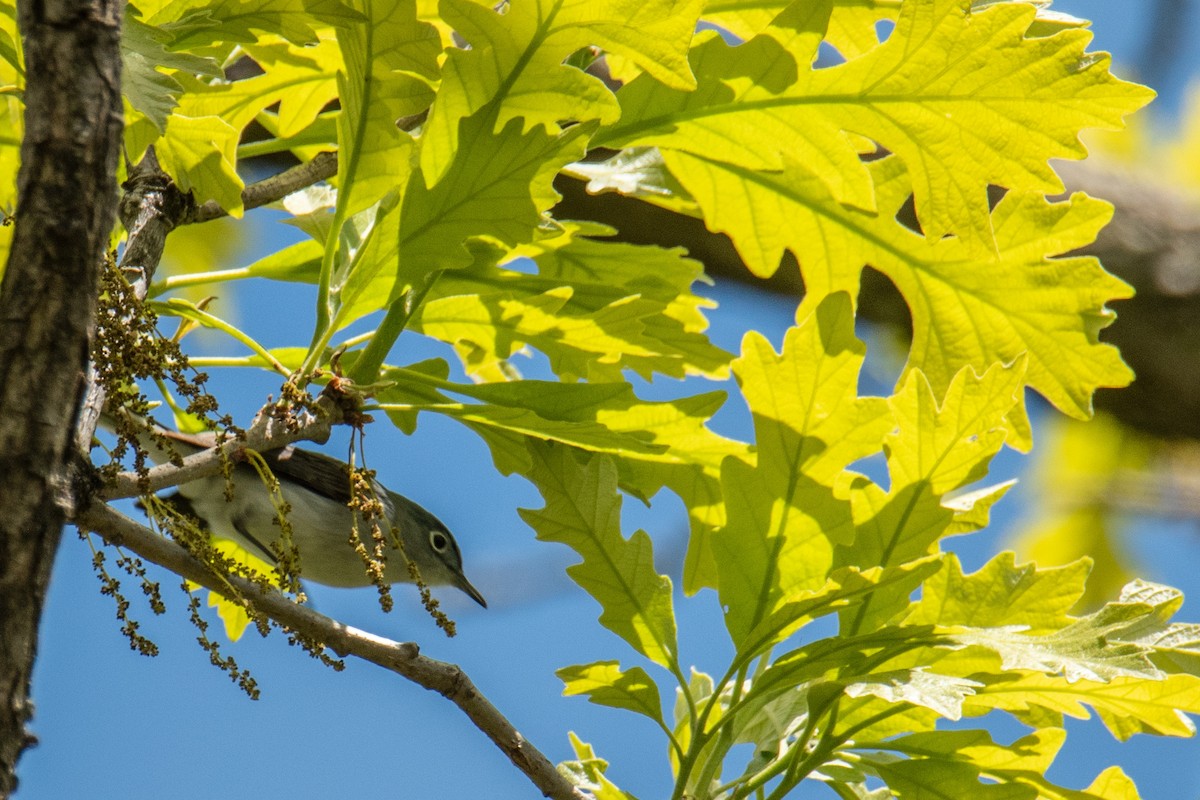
[(438, 540)]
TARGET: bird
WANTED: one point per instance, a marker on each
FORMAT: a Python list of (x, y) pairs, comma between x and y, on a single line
[(317, 487)]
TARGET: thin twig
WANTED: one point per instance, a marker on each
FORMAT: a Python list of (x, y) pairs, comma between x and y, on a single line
[(402, 658), (266, 433), (322, 167)]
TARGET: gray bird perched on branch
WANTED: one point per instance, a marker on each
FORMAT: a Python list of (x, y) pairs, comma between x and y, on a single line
[(317, 487)]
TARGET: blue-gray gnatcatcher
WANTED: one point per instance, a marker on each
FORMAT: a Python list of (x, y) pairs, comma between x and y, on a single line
[(318, 489)]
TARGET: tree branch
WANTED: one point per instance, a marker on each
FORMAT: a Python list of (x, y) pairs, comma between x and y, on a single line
[(322, 167), (404, 659), (150, 209), (66, 207), (266, 433)]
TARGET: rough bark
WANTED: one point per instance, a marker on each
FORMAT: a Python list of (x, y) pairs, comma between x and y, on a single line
[(66, 208)]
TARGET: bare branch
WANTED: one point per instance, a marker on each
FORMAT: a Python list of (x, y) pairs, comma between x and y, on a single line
[(322, 167), (266, 433), (404, 659)]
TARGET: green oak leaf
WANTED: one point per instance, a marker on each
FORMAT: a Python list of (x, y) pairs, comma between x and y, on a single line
[(967, 307), (853, 25), (1001, 593), (497, 189), (512, 413), (851, 28), (784, 519), (585, 318), (936, 447), (301, 80), (583, 511), (948, 443), (1126, 705), (195, 25), (847, 587), (143, 54), (636, 172), (946, 106), (1174, 646), (972, 509), (838, 660), (515, 63), (919, 687), (200, 153), (606, 684), (936, 779), (1122, 639), (749, 109), (390, 59), (587, 772), (581, 255), (1022, 763)]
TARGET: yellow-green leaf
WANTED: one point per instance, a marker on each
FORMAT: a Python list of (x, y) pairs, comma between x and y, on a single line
[(587, 772), (200, 153), (583, 511), (936, 93), (1126, 705), (496, 190), (606, 684), (784, 519), (389, 60), (515, 63), (968, 308), (750, 109), (1001, 593)]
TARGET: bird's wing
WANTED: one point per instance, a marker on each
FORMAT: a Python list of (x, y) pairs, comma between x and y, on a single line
[(322, 474)]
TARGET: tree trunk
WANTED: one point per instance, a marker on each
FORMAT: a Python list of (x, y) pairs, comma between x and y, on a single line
[(65, 212)]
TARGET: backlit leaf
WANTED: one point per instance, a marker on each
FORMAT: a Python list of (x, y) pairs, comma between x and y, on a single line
[(605, 683), (582, 511)]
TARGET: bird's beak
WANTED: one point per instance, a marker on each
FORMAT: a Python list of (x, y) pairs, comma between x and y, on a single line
[(470, 590)]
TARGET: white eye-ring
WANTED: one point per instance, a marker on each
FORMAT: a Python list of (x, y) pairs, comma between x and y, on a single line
[(438, 541)]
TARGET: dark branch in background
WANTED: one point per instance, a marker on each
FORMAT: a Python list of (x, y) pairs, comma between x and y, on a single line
[(66, 207), (404, 659), (1163, 43), (322, 167), (1153, 243)]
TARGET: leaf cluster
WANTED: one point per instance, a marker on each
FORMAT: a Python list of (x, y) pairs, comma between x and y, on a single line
[(807, 539)]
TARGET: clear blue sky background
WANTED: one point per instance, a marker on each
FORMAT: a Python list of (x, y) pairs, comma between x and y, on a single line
[(115, 724)]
